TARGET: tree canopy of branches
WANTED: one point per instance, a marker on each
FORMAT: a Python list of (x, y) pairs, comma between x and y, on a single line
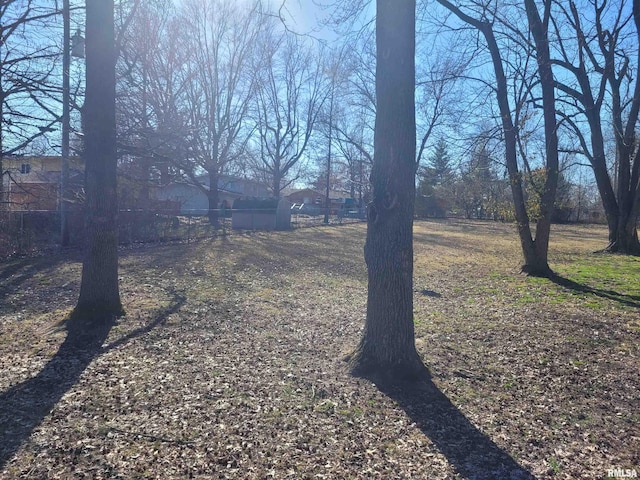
[(289, 101), (150, 78), (483, 19), (600, 58), (26, 66), (223, 38)]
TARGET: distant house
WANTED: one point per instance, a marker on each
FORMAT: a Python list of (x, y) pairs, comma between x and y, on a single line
[(310, 198), (307, 196), (193, 199), (33, 182)]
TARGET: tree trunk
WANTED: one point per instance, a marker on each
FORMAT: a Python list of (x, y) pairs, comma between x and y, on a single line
[(534, 250), (213, 197), (628, 155), (538, 30), (277, 180), (625, 240), (622, 223), (592, 108), (99, 292), (3, 204), (387, 345), (533, 263), (628, 195)]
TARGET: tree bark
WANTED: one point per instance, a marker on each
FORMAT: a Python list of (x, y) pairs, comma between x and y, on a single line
[(3, 205), (539, 29), (277, 181), (99, 298), (533, 263), (625, 119), (387, 345), (213, 198), (626, 233)]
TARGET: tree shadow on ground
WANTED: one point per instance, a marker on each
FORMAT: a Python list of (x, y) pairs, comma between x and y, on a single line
[(628, 300), (24, 406), (467, 449), (16, 272)]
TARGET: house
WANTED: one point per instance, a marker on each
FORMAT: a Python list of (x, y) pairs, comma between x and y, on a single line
[(311, 200), (193, 199), (307, 196), (33, 182)]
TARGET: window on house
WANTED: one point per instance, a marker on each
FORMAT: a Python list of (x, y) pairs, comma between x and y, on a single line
[(25, 168)]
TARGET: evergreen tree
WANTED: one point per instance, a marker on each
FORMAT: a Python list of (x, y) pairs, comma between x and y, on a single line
[(440, 162)]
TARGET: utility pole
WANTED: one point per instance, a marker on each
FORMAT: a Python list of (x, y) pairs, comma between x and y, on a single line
[(71, 46), (64, 169), (327, 200)]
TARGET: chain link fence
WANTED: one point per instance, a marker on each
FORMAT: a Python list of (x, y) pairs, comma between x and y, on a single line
[(24, 233)]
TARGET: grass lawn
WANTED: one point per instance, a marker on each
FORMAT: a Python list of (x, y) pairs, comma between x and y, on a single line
[(229, 364)]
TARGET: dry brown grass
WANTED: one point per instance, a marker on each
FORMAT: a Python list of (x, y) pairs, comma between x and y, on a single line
[(228, 363)]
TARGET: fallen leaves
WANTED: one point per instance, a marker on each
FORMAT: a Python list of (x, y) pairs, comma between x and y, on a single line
[(245, 378)]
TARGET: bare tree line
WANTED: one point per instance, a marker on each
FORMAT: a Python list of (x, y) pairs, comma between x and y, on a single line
[(223, 89), (206, 87), (213, 87)]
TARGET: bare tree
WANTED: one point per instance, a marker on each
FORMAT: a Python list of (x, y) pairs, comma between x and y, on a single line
[(224, 39), (353, 136), (483, 18), (539, 28), (290, 97), (603, 78), (152, 78), (435, 90), (387, 344), (26, 66), (355, 110)]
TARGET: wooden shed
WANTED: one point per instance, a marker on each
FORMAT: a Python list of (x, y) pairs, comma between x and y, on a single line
[(261, 214)]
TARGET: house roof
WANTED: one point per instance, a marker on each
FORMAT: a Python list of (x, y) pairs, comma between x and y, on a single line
[(333, 194), (19, 159)]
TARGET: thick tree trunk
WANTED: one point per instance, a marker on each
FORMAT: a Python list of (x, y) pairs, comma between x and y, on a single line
[(99, 292), (614, 208), (623, 232), (625, 238), (628, 195), (387, 345)]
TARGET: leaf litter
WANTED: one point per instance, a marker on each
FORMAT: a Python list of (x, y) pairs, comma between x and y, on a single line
[(229, 364)]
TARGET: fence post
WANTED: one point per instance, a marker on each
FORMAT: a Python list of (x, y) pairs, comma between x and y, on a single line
[(21, 240), (224, 222)]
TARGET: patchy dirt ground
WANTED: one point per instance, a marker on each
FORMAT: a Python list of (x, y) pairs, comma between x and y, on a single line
[(228, 363)]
